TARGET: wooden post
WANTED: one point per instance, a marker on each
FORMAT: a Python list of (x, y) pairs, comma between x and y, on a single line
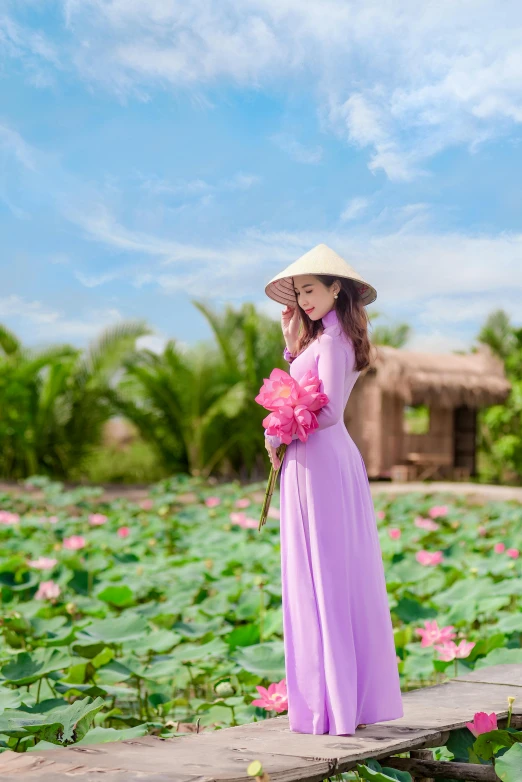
[(437, 769), (422, 754)]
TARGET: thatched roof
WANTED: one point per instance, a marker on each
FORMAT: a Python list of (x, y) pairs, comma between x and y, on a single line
[(447, 380)]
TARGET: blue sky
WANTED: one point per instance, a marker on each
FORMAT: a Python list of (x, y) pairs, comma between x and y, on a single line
[(153, 152)]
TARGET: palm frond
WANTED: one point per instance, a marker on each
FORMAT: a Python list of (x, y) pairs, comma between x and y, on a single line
[(108, 351), (9, 342)]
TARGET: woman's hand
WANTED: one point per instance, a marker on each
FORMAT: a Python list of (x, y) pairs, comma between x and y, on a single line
[(272, 453), (290, 321)]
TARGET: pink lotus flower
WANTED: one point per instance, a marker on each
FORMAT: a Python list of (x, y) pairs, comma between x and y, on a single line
[(52, 519), (279, 390), (394, 533), (380, 515), (124, 532), (422, 523), (96, 519), (432, 634), (481, 530), (6, 517), (147, 504), (211, 502), (243, 502), (47, 590), (274, 513), (293, 404), (74, 543), (438, 510), (450, 650), (42, 563), (499, 548), (429, 557), (274, 698), (482, 723), (243, 520), (512, 552)]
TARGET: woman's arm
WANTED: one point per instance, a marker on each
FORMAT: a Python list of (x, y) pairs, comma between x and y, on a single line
[(332, 359)]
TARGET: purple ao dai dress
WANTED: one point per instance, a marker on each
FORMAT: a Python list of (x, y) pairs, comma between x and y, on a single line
[(340, 658)]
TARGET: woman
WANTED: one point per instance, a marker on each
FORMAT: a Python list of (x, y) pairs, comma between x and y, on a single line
[(340, 658)]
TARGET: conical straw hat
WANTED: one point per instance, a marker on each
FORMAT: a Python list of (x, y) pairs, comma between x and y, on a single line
[(319, 260)]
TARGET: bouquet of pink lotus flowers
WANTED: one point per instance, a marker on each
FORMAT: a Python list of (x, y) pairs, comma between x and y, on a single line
[(292, 408)]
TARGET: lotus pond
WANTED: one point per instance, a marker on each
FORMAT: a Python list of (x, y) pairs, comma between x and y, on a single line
[(124, 618)]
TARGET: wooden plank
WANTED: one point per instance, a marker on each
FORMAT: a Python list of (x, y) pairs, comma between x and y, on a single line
[(509, 675), (429, 713)]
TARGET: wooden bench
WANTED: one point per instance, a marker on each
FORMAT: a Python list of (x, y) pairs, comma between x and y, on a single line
[(430, 714), (429, 464)]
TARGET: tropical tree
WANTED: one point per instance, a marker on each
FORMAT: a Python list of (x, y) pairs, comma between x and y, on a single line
[(395, 335), (197, 407), (54, 402), (500, 426)]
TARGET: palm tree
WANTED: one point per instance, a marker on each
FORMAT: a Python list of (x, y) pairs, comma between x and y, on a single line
[(54, 402), (197, 408), (396, 336), (500, 425), (498, 333)]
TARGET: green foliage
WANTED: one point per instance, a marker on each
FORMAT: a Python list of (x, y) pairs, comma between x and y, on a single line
[(507, 767), (138, 462), (180, 619), (395, 335), (53, 403), (197, 407), (500, 426), (373, 771)]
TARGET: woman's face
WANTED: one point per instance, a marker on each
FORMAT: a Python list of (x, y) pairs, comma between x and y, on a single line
[(314, 296)]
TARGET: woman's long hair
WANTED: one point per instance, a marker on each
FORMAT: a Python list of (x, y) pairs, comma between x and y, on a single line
[(352, 317)]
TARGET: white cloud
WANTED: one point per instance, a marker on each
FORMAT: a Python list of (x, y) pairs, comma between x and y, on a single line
[(418, 273), (13, 144), (154, 342), (354, 208), (402, 80), (297, 151), (33, 311), (41, 323), (94, 280), (436, 342), (241, 182), (33, 49), (198, 188)]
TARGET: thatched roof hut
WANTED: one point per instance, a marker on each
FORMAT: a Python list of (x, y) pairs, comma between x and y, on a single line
[(446, 380), (453, 386)]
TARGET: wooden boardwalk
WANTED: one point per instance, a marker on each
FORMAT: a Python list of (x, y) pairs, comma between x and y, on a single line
[(429, 714)]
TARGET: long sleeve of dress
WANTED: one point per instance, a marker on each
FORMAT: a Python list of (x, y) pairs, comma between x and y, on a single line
[(331, 363)]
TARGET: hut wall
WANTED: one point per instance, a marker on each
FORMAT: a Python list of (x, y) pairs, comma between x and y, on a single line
[(354, 414), (363, 421), (392, 435), (438, 440)]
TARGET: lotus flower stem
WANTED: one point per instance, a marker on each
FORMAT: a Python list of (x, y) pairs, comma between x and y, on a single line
[(272, 478)]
